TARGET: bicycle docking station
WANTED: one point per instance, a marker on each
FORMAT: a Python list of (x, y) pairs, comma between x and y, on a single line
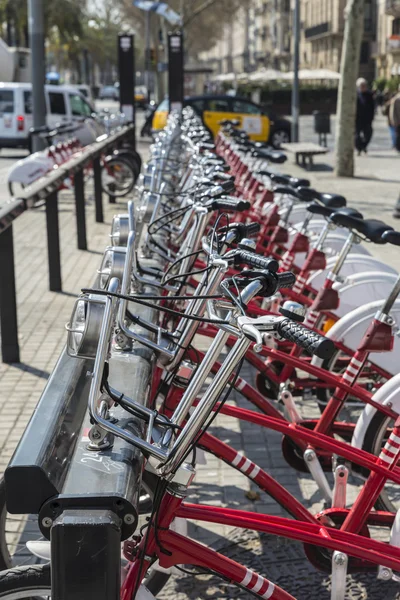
[(84, 490)]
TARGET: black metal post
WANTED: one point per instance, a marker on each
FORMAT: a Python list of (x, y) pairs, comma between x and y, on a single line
[(98, 192), (126, 69), (111, 198), (175, 71), (80, 210), (8, 300), (53, 242), (86, 555)]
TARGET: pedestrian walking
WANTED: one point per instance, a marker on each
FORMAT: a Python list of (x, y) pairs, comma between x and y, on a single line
[(394, 119), (364, 116)]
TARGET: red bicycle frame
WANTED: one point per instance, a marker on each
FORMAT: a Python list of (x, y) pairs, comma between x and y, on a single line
[(171, 548)]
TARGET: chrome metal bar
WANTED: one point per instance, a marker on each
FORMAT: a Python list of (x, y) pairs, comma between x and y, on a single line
[(95, 393), (205, 407)]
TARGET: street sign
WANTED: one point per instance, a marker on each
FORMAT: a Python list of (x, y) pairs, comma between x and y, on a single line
[(161, 8), (175, 70), (126, 67)]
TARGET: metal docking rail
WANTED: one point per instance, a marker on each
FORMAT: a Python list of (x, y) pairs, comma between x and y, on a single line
[(46, 189), (86, 499)]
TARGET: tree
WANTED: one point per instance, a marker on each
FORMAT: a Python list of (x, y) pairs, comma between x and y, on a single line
[(347, 96), (203, 20)]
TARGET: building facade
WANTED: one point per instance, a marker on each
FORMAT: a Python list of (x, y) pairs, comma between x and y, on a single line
[(322, 29), (388, 42), (260, 35)]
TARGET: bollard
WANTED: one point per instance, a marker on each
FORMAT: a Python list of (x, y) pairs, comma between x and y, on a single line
[(95, 537), (80, 210), (53, 242), (111, 199), (98, 192), (8, 301)]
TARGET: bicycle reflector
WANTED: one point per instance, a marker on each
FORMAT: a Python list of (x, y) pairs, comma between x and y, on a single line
[(112, 265), (84, 326), (120, 230)]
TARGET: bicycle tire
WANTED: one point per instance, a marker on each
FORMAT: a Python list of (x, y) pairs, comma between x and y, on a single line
[(133, 158), (5, 558), (11, 185), (115, 192), (374, 436), (29, 582), (25, 583)]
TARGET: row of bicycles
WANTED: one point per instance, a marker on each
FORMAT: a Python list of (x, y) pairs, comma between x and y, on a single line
[(279, 276), (120, 167)]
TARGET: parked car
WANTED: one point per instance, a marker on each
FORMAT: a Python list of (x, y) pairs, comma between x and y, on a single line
[(86, 91), (141, 96), (259, 124), (64, 104), (109, 92)]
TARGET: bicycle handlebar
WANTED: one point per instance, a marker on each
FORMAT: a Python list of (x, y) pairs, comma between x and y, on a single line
[(255, 260), (227, 203), (311, 342)]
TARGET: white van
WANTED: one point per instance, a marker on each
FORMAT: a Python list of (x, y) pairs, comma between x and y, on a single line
[(65, 104)]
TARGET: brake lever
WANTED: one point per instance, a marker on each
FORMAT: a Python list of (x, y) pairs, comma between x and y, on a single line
[(257, 328)]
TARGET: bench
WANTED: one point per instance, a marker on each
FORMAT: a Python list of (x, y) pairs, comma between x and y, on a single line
[(304, 152)]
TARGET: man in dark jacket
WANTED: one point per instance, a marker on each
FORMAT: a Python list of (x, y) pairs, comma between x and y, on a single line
[(364, 116)]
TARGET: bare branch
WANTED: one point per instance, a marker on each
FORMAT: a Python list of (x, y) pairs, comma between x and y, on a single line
[(199, 10)]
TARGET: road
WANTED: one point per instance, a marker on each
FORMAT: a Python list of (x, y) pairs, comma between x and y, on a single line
[(9, 156)]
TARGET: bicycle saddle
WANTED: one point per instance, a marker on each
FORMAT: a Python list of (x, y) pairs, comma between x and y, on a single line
[(273, 156), (330, 200), (392, 237), (373, 229), (327, 211), (284, 179)]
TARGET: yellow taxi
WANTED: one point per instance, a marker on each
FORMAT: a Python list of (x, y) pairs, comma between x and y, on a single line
[(214, 109), (140, 96)]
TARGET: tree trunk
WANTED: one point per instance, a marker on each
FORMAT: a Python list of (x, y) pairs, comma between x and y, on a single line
[(347, 95)]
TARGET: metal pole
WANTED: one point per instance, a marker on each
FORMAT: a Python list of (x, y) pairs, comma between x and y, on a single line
[(36, 40), (147, 56), (98, 192), (80, 210), (295, 90), (8, 300), (53, 243)]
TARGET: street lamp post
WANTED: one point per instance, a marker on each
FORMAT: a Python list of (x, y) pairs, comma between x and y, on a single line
[(295, 89), (36, 37), (147, 56)]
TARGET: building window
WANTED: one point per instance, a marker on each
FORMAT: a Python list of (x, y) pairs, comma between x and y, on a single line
[(364, 56), (396, 26), (368, 16)]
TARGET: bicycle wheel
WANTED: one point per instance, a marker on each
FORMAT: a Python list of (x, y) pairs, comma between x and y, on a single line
[(26, 583), (33, 582), (337, 364), (15, 531), (117, 177), (374, 440)]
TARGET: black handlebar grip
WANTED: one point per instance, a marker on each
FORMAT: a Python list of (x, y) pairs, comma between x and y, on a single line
[(228, 186), (286, 280), (234, 204), (259, 262), (251, 229), (311, 342)]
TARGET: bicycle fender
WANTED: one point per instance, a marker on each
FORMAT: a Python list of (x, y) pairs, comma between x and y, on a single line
[(350, 329), (388, 393)]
